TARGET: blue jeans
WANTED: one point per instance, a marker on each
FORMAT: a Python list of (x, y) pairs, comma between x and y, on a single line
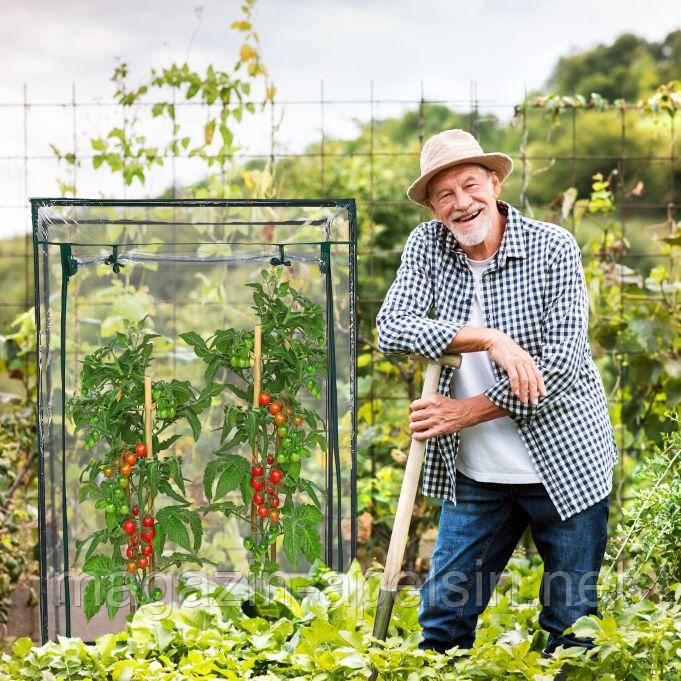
[(474, 543)]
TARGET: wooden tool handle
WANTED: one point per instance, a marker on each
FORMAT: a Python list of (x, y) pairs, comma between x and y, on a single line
[(405, 505)]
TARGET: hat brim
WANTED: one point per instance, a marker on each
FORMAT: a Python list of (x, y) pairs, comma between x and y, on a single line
[(502, 163)]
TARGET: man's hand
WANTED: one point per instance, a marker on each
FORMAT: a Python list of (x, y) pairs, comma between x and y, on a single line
[(436, 415), (523, 374)]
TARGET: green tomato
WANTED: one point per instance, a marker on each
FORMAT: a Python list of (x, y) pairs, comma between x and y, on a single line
[(156, 394), (123, 482), (234, 360), (286, 442), (100, 503), (282, 430), (110, 508), (282, 458), (294, 457), (156, 594), (248, 543), (244, 362), (124, 509), (171, 412), (119, 493)]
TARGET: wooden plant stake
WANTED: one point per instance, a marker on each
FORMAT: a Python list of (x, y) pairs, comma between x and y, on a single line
[(149, 443), (257, 384)]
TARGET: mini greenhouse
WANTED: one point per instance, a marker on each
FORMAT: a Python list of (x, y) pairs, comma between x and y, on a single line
[(196, 397)]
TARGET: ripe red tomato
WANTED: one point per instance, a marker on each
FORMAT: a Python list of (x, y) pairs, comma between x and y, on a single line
[(148, 535), (129, 526), (132, 567), (142, 562), (125, 470), (274, 501), (134, 540), (135, 511), (270, 460), (130, 459), (147, 550), (147, 521), (258, 499), (275, 475), (269, 488), (264, 399), (141, 449), (275, 408), (262, 511), (131, 551), (279, 419), (256, 484), (257, 470)]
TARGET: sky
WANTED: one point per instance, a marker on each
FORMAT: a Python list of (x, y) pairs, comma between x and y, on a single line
[(389, 48)]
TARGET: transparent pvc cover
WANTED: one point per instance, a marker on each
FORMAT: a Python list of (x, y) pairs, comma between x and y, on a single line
[(183, 266)]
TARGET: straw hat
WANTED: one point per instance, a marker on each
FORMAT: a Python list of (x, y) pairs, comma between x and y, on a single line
[(450, 148)]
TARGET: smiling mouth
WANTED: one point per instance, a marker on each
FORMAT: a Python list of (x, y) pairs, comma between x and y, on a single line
[(468, 218)]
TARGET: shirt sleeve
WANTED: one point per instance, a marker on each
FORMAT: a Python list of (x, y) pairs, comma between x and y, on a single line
[(565, 327), (402, 323)]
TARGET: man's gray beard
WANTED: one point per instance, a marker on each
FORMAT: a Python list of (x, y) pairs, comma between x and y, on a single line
[(477, 234)]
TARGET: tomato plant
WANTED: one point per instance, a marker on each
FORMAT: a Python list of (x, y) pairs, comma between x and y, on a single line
[(122, 479), (279, 430)]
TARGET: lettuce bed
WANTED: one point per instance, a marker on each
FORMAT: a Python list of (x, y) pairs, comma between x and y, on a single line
[(320, 628)]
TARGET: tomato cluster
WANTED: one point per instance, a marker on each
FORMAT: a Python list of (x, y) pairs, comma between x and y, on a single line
[(240, 356), (139, 541), (115, 490), (265, 493), (165, 405)]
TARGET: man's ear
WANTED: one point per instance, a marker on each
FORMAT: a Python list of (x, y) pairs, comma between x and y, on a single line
[(496, 184)]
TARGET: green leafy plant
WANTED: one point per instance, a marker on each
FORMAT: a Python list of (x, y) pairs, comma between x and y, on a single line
[(122, 478), (279, 430), (318, 626)]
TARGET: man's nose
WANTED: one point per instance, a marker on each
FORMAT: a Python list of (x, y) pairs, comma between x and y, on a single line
[(462, 202)]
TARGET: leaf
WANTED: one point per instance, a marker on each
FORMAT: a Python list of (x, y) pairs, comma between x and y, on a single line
[(235, 469), (194, 422), (209, 473), (175, 472), (300, 533), (197, 530), (176, 531), (98, 566), (94, 596), (164, 486), (115, 596)]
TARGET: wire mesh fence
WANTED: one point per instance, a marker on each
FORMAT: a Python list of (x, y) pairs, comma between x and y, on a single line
[(349, 149)]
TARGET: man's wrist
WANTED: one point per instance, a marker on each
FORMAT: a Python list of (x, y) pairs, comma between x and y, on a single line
[(479, 409), (473, 339)]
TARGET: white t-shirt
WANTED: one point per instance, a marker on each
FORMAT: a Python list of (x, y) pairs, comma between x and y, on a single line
[(492, 451)]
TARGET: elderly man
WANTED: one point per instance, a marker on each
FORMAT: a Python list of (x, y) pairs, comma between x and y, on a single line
[(520, 434)]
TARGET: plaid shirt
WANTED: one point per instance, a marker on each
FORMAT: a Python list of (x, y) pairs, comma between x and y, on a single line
[(533, 290)]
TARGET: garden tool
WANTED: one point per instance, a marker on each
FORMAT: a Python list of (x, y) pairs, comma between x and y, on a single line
[(405, 506)]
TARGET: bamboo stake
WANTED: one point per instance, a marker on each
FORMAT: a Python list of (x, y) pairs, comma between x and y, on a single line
[(257, 383), (149, 443)]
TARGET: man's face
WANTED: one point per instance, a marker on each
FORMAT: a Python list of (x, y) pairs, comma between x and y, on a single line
[(463, 198)]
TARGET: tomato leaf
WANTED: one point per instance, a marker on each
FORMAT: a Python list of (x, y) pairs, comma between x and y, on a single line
[(98, 566), (300, 533)]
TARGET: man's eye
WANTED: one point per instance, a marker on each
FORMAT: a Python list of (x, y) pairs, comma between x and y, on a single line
[(470, 184)]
